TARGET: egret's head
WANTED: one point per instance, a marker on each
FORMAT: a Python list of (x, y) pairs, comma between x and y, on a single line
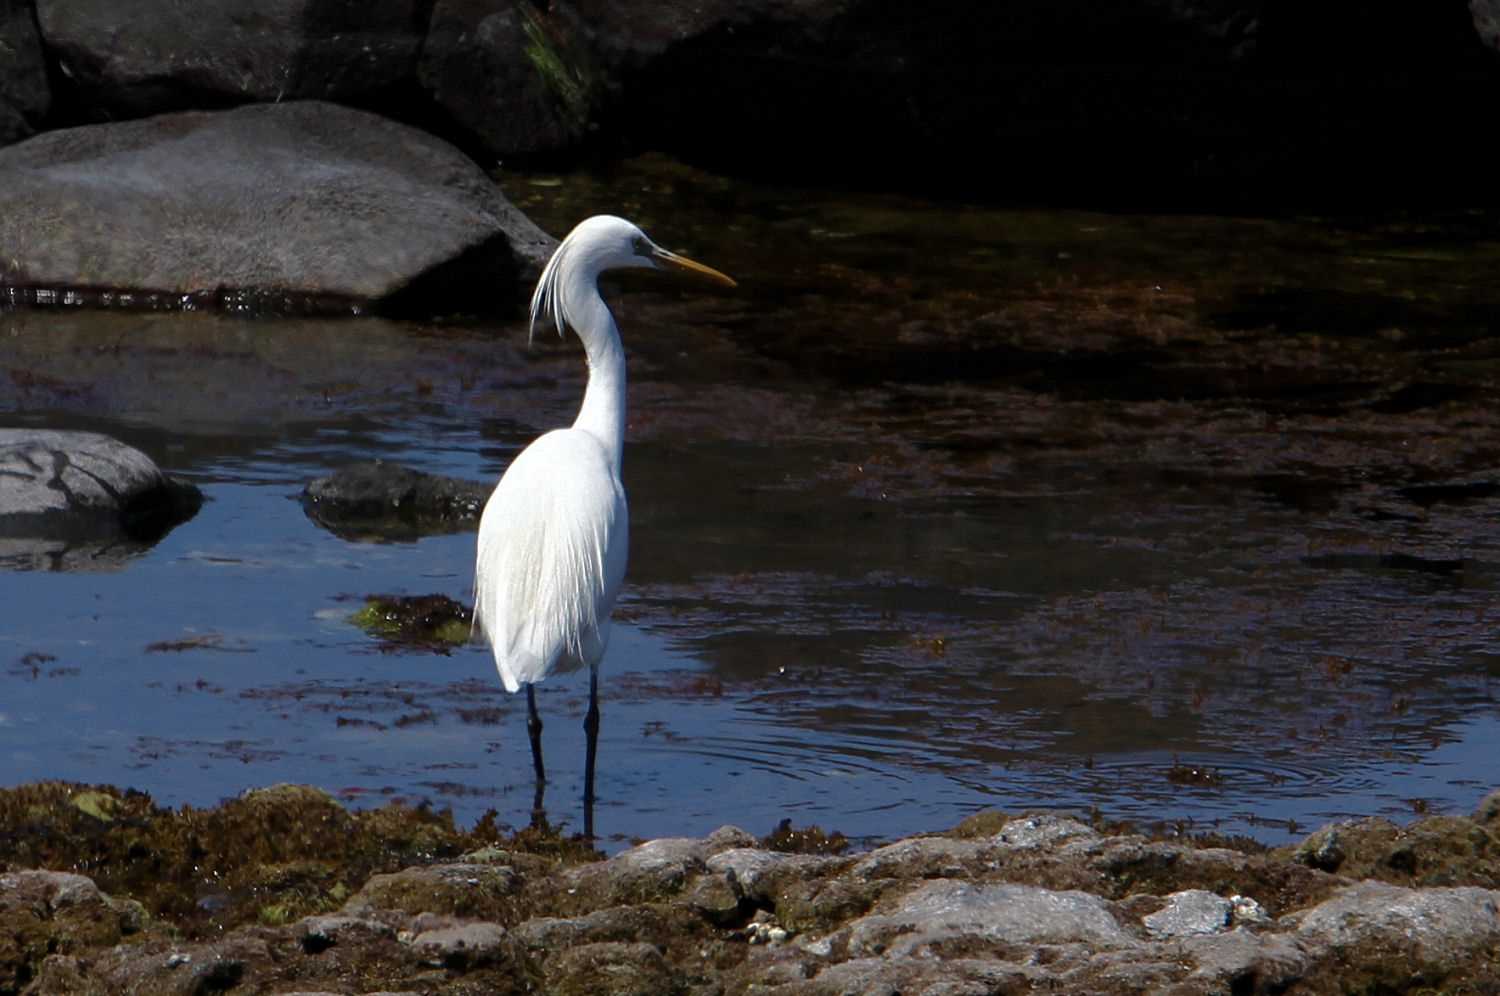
[(601, 243)]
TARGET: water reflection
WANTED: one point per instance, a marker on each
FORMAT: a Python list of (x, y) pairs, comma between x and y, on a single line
[(1177, 518)]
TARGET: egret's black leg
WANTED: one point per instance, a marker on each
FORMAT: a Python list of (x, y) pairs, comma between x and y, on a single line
[(591, 732), (534, 728)]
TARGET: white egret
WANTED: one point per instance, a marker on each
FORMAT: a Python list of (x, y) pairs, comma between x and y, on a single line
[(553, 536)]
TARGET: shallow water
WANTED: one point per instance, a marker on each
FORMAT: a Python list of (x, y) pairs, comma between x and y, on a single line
[(1179, 519)]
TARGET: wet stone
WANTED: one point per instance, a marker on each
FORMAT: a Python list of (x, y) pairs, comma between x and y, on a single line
[(61, 489), (381, 500)]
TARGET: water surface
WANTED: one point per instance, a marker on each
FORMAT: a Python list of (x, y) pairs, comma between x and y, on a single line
[(1184, 520)]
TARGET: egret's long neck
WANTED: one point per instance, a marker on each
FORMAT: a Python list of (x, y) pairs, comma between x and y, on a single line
[(602, 414)]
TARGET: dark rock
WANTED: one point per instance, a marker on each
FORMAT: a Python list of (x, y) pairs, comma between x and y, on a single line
[(25, 94), (81, 499), (1486, 14), (269, 202), (486, 62), (131, 61), (380, 500), (960, 977), (613, 968), (1186, 94)]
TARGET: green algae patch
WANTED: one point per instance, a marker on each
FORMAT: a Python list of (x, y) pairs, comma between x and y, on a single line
[(100, 805), (433, 622), (270, 856)]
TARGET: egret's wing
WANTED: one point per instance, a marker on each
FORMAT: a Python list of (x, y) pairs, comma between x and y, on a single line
[(552, 546)]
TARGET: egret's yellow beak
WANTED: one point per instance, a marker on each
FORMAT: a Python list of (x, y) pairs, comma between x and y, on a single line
[(672, 261)]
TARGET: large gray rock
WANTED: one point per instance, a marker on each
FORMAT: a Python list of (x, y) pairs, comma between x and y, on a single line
[(949, 910), (507, 74), (1430, 925), (24, 92), (284, 200), (81, 493), (142, 58)]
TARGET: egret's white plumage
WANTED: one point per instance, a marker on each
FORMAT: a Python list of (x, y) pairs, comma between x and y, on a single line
[(552, 547), (553, 536)]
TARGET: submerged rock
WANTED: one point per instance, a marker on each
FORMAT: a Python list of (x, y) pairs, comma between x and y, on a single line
[(386, 501), (82, 500), (269, 202)]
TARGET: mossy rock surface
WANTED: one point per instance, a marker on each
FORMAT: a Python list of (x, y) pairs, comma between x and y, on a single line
[(284, 890)]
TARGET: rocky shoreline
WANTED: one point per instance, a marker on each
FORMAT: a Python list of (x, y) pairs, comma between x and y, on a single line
[(283, 890)]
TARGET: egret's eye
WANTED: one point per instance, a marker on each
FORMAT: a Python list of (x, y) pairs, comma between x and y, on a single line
[(642, 247)]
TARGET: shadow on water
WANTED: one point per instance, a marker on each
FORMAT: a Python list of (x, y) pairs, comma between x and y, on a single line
[(1177, 518)]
